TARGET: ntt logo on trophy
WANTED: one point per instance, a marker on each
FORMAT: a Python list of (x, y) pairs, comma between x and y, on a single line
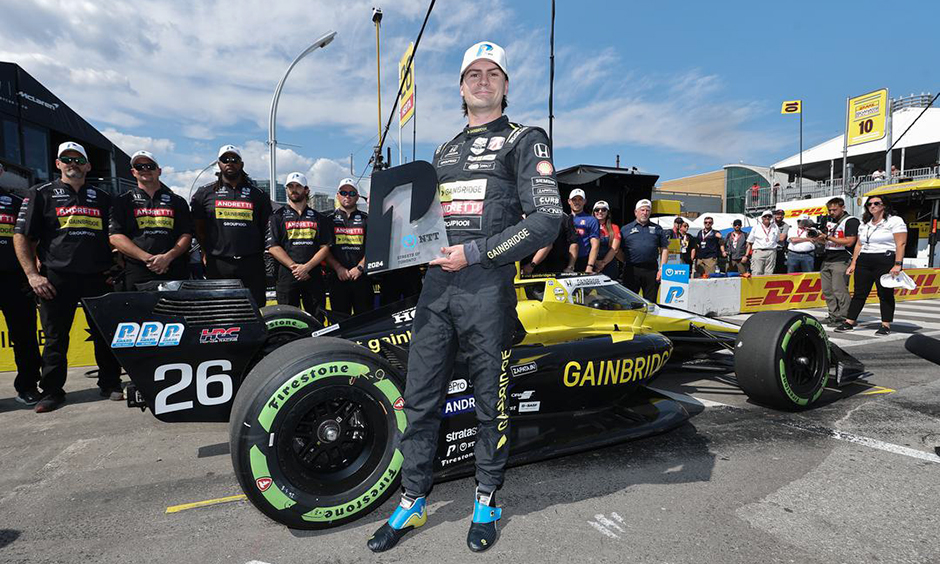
[(408, 241)]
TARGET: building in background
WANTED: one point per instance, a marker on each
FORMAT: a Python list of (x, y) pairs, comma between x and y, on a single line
[(34, 121), (322, 202), (280, 191)]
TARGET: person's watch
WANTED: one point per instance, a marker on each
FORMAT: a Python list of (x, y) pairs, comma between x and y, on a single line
[(898, 263), (361, 270)]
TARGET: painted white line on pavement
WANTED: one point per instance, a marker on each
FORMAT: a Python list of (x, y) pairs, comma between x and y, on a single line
[(685, 398), (887, 447), (603, 530), (875, 340), (607, 522)]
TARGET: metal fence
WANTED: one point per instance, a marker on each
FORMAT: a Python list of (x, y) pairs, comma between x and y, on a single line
[(767, 197)]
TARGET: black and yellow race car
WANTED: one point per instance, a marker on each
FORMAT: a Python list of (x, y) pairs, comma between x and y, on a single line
[(315, 412)]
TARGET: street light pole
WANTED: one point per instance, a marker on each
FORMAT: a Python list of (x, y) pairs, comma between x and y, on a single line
[(272, 139)]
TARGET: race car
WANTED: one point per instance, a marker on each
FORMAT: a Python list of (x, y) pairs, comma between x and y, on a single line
[(315, 412)]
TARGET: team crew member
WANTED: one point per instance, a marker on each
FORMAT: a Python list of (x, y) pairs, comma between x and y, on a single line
[(842, 233), (707, 245), (736, 248), (762, 245), (231, 220), (560, 256), (299, 239), (880, 250), (350, 288), (151, 226), (18, 304), (468, 304), (783, 228), (589, 233), (801, 254), (643, 243), (65, 224), (609, 242)]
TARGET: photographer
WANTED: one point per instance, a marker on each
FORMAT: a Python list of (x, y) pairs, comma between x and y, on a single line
[(802, 252), (839, 239)]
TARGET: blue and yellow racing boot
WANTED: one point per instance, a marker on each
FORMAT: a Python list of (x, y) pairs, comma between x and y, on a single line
[(483, 533), (410, 514)]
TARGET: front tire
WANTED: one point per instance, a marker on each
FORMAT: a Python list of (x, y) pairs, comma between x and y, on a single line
[(314, 433), (781, 359)]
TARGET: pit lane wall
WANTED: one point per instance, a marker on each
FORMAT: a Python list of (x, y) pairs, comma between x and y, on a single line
[(81, 349), (731, 296)]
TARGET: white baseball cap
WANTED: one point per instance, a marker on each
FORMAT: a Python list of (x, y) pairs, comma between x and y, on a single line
[(347, 182), (642, 203), (575, 193), (145, 155), (296, 177), (601, 204), (767, 212), (71, 146), (485, 50), (229, 149)]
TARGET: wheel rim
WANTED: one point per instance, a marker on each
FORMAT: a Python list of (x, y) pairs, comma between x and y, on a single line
[(805, 361), (331, 440)]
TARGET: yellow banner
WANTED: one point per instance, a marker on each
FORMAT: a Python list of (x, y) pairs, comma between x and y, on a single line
[(792, 107), (866, 119), (81, 348), (406, 104), (804, 291)]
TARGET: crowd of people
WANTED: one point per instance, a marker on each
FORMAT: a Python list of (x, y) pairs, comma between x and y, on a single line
[(67, 240)]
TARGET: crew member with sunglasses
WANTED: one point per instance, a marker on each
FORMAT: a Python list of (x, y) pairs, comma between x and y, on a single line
[(64, 224), (231, 217), (350, 288), (151, 226), (882, 237), (708, 245)]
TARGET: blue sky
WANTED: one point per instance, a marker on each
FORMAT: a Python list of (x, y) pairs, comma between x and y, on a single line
[(675, 88)]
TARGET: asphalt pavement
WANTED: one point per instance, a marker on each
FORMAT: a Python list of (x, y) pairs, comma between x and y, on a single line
[(854, 480)]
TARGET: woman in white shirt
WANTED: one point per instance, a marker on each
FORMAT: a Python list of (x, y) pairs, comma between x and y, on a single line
[(879, 250)]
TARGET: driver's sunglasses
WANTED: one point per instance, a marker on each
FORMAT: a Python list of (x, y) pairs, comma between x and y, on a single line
[(230, 160), (348, 193), (145, 166), (76, 160)]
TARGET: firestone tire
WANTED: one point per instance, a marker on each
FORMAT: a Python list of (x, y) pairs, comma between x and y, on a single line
[(314, 433), (782, 359)]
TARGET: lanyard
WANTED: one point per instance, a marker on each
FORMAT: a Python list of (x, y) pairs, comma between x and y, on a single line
[(766, 232), (869, 231)]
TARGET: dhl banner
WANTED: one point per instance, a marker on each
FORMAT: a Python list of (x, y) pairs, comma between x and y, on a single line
[(81, 349), (804, 291)]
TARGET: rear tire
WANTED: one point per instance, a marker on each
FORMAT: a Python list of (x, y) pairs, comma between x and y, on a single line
[(314, 433), (781, 359)]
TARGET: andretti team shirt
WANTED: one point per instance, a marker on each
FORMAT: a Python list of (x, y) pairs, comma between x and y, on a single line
[(349, 236), (236, 218), (300, 235), (641, 243), (154, 225), (70, 226), (10, 204)]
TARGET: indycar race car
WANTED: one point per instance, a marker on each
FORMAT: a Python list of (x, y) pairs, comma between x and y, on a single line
[(315, 412)]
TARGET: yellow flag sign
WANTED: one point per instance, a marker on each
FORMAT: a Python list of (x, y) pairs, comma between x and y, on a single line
[(406, 76), (866, 119), (792, 107)]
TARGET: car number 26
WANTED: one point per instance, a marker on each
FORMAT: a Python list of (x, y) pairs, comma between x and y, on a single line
[(203, 380)]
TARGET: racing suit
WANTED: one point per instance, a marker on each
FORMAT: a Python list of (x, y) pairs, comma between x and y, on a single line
[(490, 177)]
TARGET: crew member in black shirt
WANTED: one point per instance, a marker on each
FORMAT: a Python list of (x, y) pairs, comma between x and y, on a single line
[(299, 240), (65, 224), (708, 244), (231, 217), (151, 226), (560, 256), (18, 304), (350, 288)]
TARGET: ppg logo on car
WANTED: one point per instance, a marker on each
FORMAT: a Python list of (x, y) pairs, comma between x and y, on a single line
[(148, 334)]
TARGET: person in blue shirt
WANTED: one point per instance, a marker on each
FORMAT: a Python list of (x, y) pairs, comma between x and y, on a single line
[(644, 246), (589, 233)]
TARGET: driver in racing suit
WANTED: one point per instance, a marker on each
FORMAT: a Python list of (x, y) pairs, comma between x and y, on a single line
[(501, 204)]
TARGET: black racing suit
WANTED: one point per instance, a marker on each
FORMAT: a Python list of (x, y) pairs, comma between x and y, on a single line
[(490, 177)]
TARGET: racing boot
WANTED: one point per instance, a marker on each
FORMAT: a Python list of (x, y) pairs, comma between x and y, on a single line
[(410, 514), (482, 534)]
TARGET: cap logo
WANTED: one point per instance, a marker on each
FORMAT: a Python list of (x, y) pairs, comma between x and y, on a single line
[(485, 49)]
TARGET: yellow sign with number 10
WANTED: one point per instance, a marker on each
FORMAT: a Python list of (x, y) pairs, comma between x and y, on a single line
[(866, 119)]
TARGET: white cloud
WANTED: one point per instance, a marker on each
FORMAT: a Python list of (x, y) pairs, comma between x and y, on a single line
[(130, 144)]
